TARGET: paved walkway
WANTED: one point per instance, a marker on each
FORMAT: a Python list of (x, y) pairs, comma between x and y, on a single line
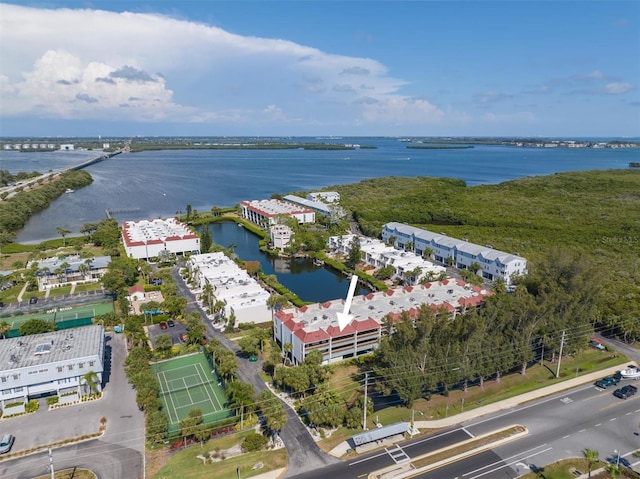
[(22, 291), (509, 403)]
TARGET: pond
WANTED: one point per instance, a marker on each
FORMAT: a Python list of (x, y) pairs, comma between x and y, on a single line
[(299, 275)]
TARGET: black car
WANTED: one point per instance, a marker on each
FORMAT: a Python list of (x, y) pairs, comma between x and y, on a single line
[(171, 323), (607, 381), (625, 391), (33, 300)]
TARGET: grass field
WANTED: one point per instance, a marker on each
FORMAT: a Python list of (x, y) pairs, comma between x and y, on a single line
[(186, 465)]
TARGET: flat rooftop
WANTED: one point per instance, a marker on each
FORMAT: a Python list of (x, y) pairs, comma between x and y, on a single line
[(37, 349), (143, 231), (275, 207)]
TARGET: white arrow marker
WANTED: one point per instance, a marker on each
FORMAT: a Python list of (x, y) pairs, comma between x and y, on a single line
[(345, 318)]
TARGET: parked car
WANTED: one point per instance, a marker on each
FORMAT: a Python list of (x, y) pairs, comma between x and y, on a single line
[(597, 345), (6, 443), (171, 323), (164, 325), (607, 381), (33, 300), (625, 392)]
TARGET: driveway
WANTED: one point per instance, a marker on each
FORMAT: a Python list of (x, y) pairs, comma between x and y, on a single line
[(304, 453), (122, 444)]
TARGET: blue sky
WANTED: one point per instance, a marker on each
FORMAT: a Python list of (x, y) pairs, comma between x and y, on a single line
[(353, 67)]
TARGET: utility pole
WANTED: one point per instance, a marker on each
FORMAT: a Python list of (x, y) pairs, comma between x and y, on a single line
[(366, 383), (560, 355), (53, 474)]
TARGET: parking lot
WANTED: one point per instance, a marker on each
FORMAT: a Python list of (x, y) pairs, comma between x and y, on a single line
[(174, 332)]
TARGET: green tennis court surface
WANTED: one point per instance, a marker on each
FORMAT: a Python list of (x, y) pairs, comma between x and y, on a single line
[(64, 316), (187, 383)]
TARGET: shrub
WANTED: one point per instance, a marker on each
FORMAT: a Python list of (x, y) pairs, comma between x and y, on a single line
[(51, 400), (32, 406), (254, 442)]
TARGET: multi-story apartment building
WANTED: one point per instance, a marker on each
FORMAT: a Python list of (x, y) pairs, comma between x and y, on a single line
[(266, 212), (493, 263), (149, 238), (315, 327), (53, 362), (57, 272)]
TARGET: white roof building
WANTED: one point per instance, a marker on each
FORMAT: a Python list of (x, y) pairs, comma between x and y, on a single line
[(316, 326), (49, 362), (242, 294), (378, 255), (280, 236), (493, 263), (317, 206), (326, 196), (266, 212), (147, 239)]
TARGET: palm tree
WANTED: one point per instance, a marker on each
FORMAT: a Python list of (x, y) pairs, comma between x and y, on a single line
[(287, 348), (63, 232), (4, 329), (90, 379), (426, 254), (614, 470), (83, 269), (591, 456)]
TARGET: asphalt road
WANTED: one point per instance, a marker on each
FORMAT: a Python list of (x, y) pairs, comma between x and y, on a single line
[(560, 426), (304, 453)]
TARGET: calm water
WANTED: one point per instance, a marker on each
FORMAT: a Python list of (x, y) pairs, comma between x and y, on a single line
[(299, 276), (159, 183)]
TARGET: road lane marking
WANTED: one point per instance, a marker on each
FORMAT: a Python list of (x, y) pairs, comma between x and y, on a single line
[(598, 425), (465, 430), (613, 419), (565, 437), (582, 430), (509, 464), (518, 456)]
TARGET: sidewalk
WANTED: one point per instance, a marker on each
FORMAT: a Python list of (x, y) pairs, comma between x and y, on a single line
[(498, 406)]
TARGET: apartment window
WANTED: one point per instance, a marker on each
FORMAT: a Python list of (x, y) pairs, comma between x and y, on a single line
[(18, 390), (59, 369), (4, 379), (91, 363), (81, 365), (16, 376), (70, 367)]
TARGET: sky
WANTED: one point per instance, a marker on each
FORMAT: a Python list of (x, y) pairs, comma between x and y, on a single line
[(549, 68)]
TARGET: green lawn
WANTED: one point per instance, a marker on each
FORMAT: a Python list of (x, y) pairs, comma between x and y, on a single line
[(440, 406), (81, 288), (186, 465), (61, 291)]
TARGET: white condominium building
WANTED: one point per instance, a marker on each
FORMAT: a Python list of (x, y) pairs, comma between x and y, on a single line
[(375, 253), (266, 212), (493, 264), (53, 362), (148, 238), (241, 294)]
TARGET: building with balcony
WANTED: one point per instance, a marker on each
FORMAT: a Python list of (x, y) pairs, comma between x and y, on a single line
[(151, 238), (242, 296), (315, 327), (460, 253), (267, 212), (54, 362), (58, 272)]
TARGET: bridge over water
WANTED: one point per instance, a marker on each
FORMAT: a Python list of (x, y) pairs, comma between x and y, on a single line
[(114, 211)]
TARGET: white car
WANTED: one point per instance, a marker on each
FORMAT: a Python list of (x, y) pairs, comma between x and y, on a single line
[(6, 442)]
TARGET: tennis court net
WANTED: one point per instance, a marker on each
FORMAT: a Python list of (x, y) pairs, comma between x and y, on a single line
[(183, 387)]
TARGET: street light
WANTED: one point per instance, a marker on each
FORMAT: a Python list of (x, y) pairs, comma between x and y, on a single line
[(413, 413), (617, 453)]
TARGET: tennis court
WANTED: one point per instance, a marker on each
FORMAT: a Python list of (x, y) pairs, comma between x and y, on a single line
[(64, 316), (187, 383)]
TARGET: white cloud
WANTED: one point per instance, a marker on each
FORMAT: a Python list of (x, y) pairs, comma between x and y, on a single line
[(618, 87), (506, 118), (146, 67)]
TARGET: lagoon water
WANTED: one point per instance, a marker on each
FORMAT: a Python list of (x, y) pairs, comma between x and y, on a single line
[(160, 183)]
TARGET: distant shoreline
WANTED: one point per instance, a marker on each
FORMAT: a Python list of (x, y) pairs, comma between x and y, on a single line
[(440, 147), (135, 148)]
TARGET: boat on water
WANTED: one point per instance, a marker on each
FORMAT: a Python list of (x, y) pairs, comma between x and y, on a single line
[(69, 190), (632, 372)]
